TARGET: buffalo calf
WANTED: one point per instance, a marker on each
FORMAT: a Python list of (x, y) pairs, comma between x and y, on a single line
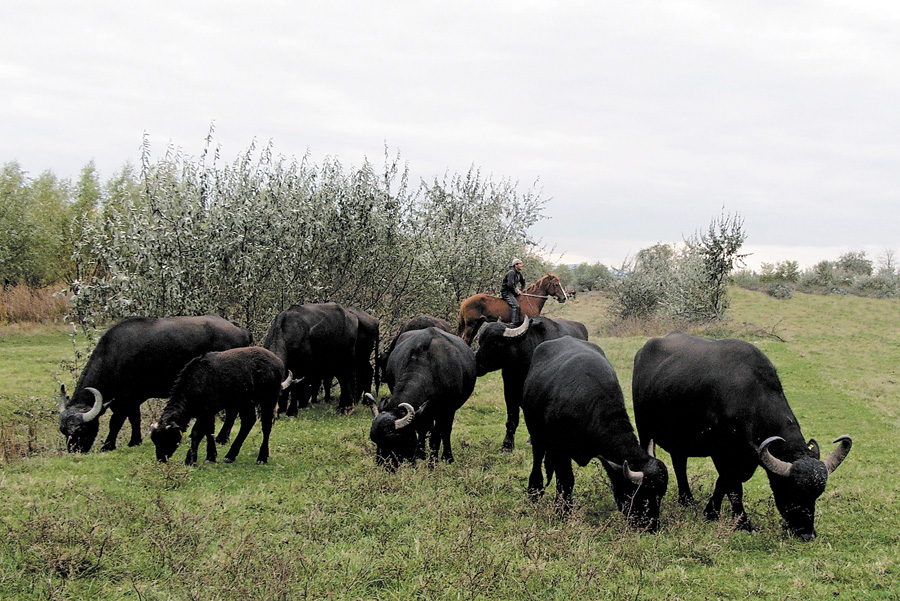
[(241, 381)]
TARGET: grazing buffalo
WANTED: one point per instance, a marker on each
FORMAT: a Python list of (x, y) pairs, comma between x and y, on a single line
[(574, 409), (431, 373), (723, 399), (480, 308), (367, 337), (136, 359), (419, 322), (316, 341), (510, 350), (242, 381)]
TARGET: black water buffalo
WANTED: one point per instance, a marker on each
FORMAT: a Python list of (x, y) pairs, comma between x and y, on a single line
[(367, 337), (510, 350), (419, 322), (242, 381), (431, 373), (574, 409), (723, 399), (136, 359), (316, 341)]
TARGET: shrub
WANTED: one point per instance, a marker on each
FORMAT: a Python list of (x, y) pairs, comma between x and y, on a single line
[(780, 290)]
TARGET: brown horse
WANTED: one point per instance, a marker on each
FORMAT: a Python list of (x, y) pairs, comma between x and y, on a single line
[(480, 308)]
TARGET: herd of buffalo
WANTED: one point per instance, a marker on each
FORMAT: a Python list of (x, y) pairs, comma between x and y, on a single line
[(692, 396)]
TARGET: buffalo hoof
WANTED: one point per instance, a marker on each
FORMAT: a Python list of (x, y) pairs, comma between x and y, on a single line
[(507, 447), (711, 514), (261, 462), (135, 443), (228, 460), (345, 410), (222, 439), (108, 447), (208, 460)]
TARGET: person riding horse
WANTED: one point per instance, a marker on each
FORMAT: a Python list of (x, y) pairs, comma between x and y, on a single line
[(513, 282)]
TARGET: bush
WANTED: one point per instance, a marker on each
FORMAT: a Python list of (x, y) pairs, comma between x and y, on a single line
[(780, 290)]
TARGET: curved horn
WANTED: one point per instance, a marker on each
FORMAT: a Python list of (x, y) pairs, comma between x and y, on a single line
[(517, 332), (651, 448), (62, 398), (371, 399), (95, 410), (771, 463), (837, 456), (633, 477), (406, 419), (287, 380)]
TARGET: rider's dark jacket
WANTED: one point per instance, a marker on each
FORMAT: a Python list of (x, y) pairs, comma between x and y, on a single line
[(512, 280)]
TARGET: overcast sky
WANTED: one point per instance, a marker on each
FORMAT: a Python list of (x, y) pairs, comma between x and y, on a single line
[(638, 120)]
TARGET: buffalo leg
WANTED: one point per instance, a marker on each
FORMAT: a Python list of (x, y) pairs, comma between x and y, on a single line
[(565, 480), (211, 452), (203, 428), (134, 418), (227, 425), (513, 383), (440, 434), (116, 421), (265, 420), (679, 466), (736, 497), (248, 418), (347, 381), (536, 478)]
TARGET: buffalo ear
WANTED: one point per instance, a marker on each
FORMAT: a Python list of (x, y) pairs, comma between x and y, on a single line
[(813, 446)]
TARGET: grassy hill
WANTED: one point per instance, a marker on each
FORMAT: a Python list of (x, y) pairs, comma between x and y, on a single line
[(320, 521)]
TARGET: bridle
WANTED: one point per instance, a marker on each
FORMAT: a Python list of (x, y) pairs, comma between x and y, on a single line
[(565, 296)]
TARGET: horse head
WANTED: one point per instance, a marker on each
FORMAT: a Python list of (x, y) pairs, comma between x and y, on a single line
[(551, 286)]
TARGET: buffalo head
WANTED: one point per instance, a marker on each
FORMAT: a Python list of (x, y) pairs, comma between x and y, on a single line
[(639, 494), (797, 484), (495, 342), (166, 438), (78, 421), (394, 433)]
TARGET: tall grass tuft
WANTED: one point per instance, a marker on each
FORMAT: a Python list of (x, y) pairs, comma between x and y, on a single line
[(24, 304)]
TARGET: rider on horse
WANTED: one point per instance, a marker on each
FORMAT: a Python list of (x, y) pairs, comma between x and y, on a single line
[(513, 282)]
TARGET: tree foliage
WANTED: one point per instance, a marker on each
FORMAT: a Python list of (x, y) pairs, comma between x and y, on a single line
[(247, 239), (687, 283)]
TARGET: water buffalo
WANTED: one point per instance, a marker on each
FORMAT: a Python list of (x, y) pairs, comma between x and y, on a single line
[(136, 359), (316, 341), (510, 350), (431, 373), (242, 381), (574, 409), (722, 399)]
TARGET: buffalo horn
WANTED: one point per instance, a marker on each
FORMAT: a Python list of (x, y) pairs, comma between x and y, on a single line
[(837, 456), (371, 399), (62, 398), (287, 380), (651, 448), (406, 419), (634, 477), (517, 332), (771, 463), (95, 410)]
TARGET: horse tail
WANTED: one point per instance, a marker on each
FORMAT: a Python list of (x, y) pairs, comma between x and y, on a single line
[(461, 322)]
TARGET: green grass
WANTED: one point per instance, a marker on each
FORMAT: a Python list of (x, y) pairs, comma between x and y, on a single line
[(320, 521)]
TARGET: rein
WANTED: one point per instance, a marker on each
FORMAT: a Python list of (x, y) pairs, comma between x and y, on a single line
[(532, 295)]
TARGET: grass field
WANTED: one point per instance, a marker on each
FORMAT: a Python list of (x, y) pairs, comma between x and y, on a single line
[(321, 522)]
